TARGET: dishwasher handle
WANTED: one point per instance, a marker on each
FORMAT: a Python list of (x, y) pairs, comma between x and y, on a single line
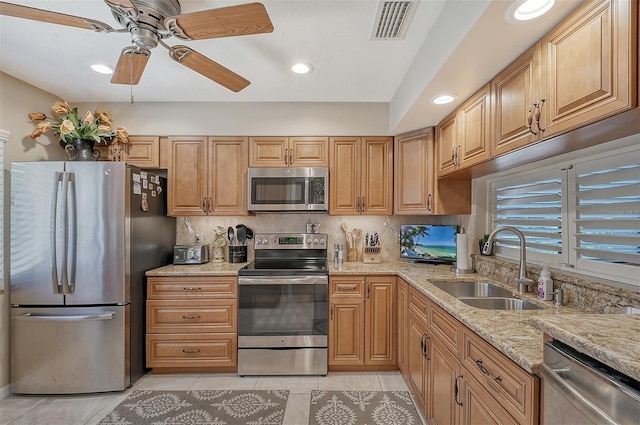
[(574, 396)]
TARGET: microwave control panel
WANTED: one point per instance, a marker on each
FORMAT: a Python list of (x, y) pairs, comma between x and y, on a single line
[(316, 190)]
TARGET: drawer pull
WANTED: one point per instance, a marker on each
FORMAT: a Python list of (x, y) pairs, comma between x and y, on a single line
[(486, 372), (348, 288), (190, 351), (192, 289), (188, 317)]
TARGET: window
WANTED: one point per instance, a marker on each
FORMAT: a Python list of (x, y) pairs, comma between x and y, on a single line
[(583, 214)]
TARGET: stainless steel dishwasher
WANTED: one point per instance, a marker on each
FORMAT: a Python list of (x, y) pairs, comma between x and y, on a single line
[(577, 389)]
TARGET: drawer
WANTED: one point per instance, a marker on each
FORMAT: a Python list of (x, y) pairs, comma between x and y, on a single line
[(191, 287), (192, 350), (418, 302), (346, 287), (446, 328), (513, 387), (178, 316)]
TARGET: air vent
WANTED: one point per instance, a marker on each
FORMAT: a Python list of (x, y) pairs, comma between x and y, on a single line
[(392, 19)]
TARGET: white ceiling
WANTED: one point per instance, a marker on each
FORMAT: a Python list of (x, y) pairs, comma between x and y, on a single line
[(450, 46)]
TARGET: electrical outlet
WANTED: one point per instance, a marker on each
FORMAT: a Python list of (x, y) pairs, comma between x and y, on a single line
[(631, 310)]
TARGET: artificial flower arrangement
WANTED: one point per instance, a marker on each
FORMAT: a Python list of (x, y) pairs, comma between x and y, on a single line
[(68, 125)]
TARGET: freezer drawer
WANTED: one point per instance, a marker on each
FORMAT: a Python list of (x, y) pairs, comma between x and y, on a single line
[(69, 350)]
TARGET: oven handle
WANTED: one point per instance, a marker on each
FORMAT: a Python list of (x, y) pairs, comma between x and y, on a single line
[(286, 280), (574, 396)]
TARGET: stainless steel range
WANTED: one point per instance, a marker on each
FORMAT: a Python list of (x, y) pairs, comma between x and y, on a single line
[(284, 306)]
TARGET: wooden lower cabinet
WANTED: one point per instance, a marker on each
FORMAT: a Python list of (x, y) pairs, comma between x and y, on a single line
[(442, 387), (192, 324), (402, 321), (362, 320), (457, 377)]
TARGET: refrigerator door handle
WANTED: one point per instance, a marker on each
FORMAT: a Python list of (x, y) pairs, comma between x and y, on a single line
[(107, 315), (65, 237), (57, 176)]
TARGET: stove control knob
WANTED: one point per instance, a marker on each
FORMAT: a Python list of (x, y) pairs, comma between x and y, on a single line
[(315, 241), (264, 241), (322, 241), (309, 241)]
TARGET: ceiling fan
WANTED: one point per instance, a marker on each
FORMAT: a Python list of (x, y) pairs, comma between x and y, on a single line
[(151, 21)]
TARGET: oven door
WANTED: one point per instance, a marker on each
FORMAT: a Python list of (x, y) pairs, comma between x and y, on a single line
[(283, 311)]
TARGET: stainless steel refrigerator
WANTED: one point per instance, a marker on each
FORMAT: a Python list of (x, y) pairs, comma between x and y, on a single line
[(82, 236)]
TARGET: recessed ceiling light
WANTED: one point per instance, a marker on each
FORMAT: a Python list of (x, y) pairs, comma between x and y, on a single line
[(102, 69), (444, 98), (525, 10), (302, 68)]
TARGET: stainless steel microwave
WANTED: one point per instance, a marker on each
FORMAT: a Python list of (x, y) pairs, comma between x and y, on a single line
[(295, 189)]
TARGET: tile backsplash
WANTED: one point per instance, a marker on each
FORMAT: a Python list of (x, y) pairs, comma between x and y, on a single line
[(386, 226)]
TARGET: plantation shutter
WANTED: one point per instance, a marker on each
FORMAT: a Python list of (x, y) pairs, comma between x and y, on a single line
[(607, 216), (531, 203)]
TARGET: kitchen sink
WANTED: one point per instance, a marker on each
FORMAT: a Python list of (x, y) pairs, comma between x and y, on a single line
[(472, 289), (499, 303)]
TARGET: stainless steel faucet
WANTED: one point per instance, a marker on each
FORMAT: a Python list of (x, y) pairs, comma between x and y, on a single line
[(523, 282)]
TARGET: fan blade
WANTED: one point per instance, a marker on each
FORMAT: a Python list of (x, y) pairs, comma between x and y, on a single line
[(130, 66), (210, 69), (41, 15), (223, 22)]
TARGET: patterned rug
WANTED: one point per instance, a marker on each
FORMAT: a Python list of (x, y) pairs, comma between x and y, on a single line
[(207, 407), (362, 407)]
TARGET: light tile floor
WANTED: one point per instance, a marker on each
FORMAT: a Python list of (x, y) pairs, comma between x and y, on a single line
[(90, 409)]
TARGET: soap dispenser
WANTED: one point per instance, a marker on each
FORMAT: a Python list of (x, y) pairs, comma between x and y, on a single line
[(545, 285)]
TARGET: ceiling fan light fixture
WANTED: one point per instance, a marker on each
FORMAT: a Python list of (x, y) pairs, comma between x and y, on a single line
[(526, 10), (443, 99), (102, 68), (302, 68)]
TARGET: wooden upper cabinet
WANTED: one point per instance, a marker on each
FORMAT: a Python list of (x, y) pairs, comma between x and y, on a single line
[(187, 177), (515, 94), (474, 125), (447, 144), (414, 173), (289, 152), (589, 65), (464, 136), (208, 176), (228, 175), (143, 151), (361, 176)]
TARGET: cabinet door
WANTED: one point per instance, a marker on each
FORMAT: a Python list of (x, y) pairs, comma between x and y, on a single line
[(413, 173), (478, 407), (268, 151), (344, 175), (515, 91), (447, 144), (308, 151), (227, 176), (587, 65), (445, 369), (346, 332), (403, 321), (143, 151), (417, 361), (187, 183), (473, 122), (377, 176), (380, 335)]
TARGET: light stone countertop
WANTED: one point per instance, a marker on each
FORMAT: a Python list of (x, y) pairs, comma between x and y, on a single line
[(610, 338), (511, 332)]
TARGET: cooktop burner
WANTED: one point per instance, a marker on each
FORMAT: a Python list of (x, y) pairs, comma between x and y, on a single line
[(285, 267)]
